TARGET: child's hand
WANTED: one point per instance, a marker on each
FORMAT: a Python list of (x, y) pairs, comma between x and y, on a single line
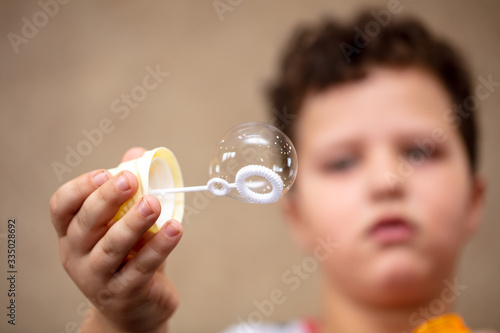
[(129, 292)]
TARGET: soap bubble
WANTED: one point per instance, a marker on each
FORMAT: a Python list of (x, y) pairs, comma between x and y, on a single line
[(259, 158)]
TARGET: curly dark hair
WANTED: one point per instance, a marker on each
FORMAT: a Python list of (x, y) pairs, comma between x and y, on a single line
[(329, 53)]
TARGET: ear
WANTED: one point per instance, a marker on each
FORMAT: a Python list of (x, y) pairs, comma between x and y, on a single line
[(478, 189), (299, 227)]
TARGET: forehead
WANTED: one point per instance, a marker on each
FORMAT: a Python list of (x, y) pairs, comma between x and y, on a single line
[(385, 102)]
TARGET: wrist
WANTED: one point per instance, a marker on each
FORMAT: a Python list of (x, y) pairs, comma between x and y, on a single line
[(96, 322)]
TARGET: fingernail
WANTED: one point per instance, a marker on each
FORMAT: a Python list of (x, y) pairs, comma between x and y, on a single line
[(171, 229), (122, 182), (100, 178), (144, 208)]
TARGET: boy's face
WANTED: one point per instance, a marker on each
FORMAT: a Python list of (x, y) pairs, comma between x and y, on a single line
[(383, 172)]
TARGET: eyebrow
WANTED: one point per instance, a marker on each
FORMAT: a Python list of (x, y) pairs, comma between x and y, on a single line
[(404, 137), (337, 146)]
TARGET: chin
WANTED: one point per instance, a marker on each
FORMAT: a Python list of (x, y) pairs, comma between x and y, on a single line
[(401, 278)]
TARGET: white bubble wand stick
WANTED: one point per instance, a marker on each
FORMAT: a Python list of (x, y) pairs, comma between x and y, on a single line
[(221, 187)]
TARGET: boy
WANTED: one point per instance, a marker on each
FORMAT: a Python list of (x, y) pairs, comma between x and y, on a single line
[(385, 133)]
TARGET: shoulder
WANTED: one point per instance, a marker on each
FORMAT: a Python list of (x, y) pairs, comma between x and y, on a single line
[(296, 326)]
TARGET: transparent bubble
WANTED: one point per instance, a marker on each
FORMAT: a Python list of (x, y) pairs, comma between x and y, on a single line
[(258, 154)]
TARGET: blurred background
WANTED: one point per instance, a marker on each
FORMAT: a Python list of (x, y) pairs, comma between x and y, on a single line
[(61, 77)]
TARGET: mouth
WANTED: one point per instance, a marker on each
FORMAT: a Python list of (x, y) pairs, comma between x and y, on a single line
[(392, 230)]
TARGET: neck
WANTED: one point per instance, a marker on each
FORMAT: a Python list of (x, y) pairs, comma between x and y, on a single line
[(345, 315)]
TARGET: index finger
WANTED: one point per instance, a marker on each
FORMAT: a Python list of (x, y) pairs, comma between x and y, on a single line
[(68, 199)]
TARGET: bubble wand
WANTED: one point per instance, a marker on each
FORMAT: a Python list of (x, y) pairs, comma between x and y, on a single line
[(253, 162)]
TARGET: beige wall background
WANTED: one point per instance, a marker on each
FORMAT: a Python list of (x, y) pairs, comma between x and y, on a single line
[(63, 80)]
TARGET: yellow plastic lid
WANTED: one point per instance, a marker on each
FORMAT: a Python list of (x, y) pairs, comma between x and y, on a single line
[(157, 168)]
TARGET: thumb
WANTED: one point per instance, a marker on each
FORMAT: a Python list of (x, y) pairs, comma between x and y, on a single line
[(133, 153)]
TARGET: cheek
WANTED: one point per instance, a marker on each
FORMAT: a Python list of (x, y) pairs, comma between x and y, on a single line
[(439, 200), (330, 207)]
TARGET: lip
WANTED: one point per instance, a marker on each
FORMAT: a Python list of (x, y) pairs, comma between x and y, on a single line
[(392, 230)]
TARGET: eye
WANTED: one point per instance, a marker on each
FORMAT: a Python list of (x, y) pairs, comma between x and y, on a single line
[(341, 165), (414, 152), (417, 154)]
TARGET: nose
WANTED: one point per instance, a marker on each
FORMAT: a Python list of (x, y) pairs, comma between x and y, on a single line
[(384, 181)]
